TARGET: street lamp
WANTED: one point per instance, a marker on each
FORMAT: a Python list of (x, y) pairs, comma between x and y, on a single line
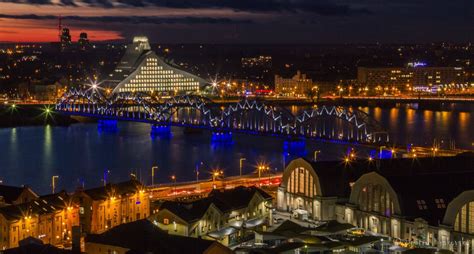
[(106, 176), (173, 178), (240, 164), (153, 174), (215, 173), (53, 182), (316, 154), (260, 168), (197, 170)]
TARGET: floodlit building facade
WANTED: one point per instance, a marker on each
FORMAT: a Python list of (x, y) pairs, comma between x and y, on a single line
[(105, 207), (223, 215), (141, 70), (297, 86), (410, 78), (427, 201), (49, 218)]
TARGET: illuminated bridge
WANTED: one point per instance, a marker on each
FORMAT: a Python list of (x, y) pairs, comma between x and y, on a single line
[(336, 123)]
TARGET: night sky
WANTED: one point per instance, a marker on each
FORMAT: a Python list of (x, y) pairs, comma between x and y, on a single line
[(242, 21)]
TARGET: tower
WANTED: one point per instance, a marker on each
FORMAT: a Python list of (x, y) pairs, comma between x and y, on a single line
[(65, 38), (83, 41), (59, 28), (63, 34)]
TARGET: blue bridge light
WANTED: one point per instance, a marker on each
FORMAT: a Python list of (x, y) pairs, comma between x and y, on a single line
[(295, 146), (160, 130), (222, 137), (107, 125), (385, 154)]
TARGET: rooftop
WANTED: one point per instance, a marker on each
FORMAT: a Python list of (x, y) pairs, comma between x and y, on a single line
[(112, 190), (11, 193), (225, 201), (143, 237), (433, 180), (42, 205)]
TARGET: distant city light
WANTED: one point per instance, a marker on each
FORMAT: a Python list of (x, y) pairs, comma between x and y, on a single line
[(417, 64)]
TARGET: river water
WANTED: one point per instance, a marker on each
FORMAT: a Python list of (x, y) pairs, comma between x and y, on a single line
[(80, 154)]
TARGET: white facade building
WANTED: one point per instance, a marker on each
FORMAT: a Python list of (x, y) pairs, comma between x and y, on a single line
[(429, 201), (141, 70)]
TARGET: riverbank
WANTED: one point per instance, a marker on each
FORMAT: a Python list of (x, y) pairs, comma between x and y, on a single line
[(32, 115)]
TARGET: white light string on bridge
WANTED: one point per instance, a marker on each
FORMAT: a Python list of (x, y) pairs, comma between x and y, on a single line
[(247, 115)]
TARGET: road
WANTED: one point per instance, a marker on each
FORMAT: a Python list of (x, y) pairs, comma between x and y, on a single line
[(201, 188)]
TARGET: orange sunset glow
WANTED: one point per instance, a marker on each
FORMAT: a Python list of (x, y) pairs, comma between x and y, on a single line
[(30, 31)]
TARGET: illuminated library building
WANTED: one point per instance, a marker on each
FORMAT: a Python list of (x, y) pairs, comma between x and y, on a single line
[(141, 70)]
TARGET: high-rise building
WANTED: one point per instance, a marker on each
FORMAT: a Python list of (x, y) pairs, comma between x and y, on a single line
[(83, 41), (410, 78), (297, 86), (141, 70), (65, 38)]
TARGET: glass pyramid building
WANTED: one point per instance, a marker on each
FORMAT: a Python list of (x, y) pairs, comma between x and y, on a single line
[(141, 70)]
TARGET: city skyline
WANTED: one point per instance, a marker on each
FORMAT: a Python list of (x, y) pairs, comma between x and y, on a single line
[(236, 126), (268, 21)]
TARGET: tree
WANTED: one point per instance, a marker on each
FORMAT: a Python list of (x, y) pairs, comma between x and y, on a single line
[(311, 93)]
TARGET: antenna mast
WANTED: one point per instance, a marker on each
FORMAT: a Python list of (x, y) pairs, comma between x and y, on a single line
[(59, 27)]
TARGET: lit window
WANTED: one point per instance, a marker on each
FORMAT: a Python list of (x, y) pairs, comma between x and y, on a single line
[(422, 205), (440, 203)]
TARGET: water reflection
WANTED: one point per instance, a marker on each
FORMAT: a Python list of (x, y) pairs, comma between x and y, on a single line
[(393, 118), (13, 138), (31, 155)]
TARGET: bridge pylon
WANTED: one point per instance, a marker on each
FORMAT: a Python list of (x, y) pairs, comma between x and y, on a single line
[(221, 136), (160, 130), (107, 125), (295, 146)]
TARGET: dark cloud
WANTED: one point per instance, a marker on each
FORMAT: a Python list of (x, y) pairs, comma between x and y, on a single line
[(135, 19), (68, 2), (8, 32), (274, 21), (320, 7)]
